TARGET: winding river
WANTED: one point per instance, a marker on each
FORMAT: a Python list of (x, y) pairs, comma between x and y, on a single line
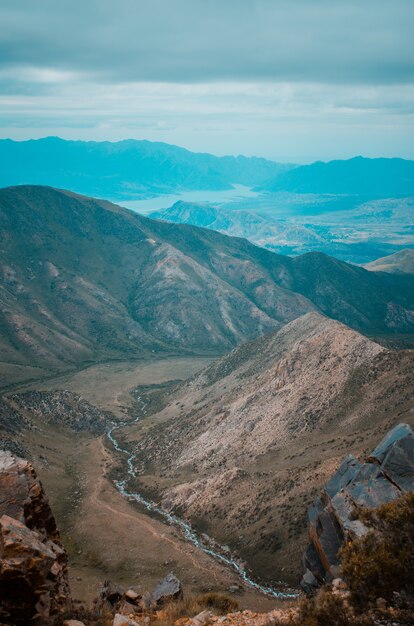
[(188, 532)]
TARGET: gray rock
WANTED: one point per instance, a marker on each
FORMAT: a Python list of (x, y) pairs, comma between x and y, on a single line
[(334, 517), (168, 589)]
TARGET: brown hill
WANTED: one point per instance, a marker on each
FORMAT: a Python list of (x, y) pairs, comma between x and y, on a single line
[(243, 447), (401, 262)]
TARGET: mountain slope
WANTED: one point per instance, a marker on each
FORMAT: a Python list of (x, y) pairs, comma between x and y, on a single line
[(242, 447), (125, 169), (401, 262), (380, 177), (85, 280)]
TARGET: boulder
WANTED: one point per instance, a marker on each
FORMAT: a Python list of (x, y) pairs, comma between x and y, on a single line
[(167, 590), (202, 619), (334, 516), (33, 563)]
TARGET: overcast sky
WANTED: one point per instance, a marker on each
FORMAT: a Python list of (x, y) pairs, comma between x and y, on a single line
[(293, 80)]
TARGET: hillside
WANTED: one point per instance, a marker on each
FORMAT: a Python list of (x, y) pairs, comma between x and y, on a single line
[(125, 169), (380, 177), (248, 224), (84, 280), (243, 447), (401, 262), (359, 234)]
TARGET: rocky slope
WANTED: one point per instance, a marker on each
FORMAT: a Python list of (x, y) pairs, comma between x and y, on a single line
[(33, 563), (22, 414), (84, 280), (241, 448), (334, 517)]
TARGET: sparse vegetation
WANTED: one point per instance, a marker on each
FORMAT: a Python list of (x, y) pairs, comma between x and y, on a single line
[(382, 562)]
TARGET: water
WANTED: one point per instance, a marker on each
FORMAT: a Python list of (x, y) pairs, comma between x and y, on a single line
[(238, 192), (188, 532)]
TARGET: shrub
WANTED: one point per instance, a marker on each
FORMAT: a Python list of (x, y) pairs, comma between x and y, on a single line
[(382, 562), (326, 609)]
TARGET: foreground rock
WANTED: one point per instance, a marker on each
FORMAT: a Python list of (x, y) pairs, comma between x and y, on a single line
[(334, 516), (33, 564), (168, 590), (243, 618)]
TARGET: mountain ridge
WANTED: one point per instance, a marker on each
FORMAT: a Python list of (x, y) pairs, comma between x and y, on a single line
[(359, 175), (84, 279), (126, 169)]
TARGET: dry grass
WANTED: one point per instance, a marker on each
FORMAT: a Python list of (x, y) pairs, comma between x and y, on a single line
[(191, 605)]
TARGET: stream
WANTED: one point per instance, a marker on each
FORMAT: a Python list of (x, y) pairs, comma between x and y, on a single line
[(188, 532)]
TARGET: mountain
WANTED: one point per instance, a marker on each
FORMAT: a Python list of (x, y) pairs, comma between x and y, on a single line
[(248, 224), (357, 235), (125, 169), (401, 262), (245, 445), (85, 280), (378, 177)]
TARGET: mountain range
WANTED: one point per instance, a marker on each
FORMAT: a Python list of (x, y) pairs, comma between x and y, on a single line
[(85, 280), (125, 169), (362, 176)]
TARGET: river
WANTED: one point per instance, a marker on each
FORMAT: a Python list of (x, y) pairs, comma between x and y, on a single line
[(188, 532)]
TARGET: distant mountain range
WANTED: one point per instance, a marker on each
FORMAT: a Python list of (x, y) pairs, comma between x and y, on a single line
[(137, 168), (401, 262), (85, 280), (381, 177), (125, 169)]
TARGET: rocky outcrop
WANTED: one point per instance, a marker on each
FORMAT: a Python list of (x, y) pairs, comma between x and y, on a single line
[(33, 564), (113, 598), (168, 590), (334, 516)]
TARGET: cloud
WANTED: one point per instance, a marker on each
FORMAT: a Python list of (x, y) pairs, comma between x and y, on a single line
[(192, 41), (288, 79)]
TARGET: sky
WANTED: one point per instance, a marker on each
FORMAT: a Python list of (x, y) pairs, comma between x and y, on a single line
[(291, 80)]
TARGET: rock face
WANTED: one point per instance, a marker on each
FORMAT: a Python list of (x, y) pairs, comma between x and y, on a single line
[(33, 564), (333, 516)]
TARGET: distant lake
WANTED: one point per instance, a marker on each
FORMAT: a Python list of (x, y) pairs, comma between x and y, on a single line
[(238, 192)]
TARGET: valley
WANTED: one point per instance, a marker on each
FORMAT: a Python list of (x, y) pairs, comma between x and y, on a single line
[(105, 534)]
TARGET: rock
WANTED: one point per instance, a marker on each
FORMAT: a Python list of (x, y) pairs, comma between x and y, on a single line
[(33, 564), (109, 595), (202, 619), (125, 607), (73, 622), (132, 595), (381, 604), (146, 603), (168, 589), (334, 516), (234, 588), (123, 620)]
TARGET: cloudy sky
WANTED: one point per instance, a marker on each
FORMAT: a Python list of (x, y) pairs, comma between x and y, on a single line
[(293, 80)]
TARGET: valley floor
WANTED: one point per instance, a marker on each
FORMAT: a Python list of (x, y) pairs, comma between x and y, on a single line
[(105, 535)]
